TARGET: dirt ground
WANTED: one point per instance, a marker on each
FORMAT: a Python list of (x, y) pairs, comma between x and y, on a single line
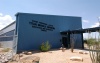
[(57, 56)]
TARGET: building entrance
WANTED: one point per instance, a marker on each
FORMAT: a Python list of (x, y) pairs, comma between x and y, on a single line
[(65, 42)]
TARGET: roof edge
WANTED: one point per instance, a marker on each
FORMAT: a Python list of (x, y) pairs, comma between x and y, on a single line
[(8, 25), (45, 14)]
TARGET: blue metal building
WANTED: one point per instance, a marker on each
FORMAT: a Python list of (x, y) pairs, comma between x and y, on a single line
[(31, 30)]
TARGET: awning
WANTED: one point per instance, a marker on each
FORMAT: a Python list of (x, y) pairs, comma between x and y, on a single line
[(77, 31)]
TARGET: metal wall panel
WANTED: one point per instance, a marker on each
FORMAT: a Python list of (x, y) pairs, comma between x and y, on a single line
[(31, 34)]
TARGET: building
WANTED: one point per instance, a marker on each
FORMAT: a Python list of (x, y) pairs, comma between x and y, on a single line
[(29, 31)]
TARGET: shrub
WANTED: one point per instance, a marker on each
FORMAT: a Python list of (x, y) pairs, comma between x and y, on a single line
[(85, 41), (91, 41), (94, 46), (45, 46), (5, 49)]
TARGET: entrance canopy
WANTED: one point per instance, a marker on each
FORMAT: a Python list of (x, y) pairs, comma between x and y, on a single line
[(77, 31)]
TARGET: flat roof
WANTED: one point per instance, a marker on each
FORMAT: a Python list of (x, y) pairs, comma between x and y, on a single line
[(45, 14)]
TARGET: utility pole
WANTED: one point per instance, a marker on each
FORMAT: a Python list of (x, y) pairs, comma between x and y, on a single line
[(99, 21)]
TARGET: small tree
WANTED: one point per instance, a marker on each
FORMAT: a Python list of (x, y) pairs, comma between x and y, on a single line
[(90, 41), (94, 46), (45, 46), (73, 39)]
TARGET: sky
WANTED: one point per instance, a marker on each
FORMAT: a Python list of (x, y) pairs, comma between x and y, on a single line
[(89, 10)]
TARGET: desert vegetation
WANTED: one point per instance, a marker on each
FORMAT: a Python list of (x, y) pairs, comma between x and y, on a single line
[(94, 47), (45, 46)]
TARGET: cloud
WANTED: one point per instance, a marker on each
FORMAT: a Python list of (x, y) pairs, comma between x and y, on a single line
[(5, 20), (85, 35), (85, 21), (99, 17), (1, 14), (95, 25)]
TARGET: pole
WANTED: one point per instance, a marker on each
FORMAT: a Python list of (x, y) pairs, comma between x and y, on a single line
[(99, 21)]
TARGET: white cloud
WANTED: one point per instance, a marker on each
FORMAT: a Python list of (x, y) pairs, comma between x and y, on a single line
[(99, 17), (85, 21), (85, 35), (95, 25), (5, 20), (1, 14)]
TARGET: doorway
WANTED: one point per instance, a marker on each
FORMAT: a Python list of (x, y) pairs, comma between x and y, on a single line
[(65, 42)]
